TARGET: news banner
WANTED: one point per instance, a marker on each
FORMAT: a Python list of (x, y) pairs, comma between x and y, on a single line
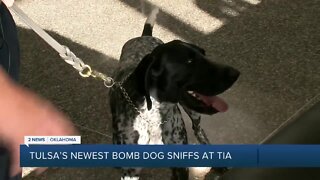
[(67, 151)]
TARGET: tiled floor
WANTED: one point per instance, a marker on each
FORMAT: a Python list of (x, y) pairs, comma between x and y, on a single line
[(275, 45)]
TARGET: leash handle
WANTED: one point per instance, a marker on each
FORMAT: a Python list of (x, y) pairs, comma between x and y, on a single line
[(37, 29), (65, 53)]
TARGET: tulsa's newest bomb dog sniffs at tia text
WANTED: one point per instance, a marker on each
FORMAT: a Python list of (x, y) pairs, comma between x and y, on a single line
[(156, 77)]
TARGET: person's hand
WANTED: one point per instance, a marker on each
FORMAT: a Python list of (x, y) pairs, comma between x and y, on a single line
[(8, 3), (22, 113)]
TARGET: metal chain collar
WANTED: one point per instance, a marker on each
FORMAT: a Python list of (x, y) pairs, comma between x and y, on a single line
[(86, 71), (129, 100), (127, 97)]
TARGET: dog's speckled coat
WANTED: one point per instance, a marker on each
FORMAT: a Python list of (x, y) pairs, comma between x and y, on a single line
[(163, 124)]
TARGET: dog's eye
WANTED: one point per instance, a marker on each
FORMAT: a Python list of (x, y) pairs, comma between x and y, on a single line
[(190, 61)]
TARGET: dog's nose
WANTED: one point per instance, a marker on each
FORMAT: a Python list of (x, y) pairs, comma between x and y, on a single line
[(232, 74)]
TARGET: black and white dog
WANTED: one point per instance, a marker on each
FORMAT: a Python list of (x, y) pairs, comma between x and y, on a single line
[(156, 77)]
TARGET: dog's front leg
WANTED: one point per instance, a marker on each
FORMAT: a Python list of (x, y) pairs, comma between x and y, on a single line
[(198, 131), (200, 172)]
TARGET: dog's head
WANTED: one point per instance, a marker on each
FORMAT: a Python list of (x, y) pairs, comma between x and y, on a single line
[(179, 72)]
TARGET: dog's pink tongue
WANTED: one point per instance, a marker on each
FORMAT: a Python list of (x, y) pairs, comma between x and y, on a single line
[(215, 102)]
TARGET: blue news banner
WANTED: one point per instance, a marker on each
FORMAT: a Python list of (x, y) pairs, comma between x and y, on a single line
[(83, 155)]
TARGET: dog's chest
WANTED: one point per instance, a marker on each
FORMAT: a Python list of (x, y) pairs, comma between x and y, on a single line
[(151, 124)]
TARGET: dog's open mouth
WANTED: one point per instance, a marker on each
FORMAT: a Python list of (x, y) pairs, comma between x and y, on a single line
[(214, 102)]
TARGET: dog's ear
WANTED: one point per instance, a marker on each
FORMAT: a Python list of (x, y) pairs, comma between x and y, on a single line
[(143, 74), (152, 77)]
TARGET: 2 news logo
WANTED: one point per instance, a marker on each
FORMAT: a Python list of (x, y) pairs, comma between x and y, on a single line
[(52, 140)]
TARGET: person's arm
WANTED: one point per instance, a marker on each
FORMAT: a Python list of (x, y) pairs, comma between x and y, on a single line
[(22, 113)]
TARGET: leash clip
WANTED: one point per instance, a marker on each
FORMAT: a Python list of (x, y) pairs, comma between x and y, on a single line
[(86, 71), (107, 81)]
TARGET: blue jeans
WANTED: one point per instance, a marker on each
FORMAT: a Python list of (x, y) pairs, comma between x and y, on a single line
[(9, 44), (10, 62)]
